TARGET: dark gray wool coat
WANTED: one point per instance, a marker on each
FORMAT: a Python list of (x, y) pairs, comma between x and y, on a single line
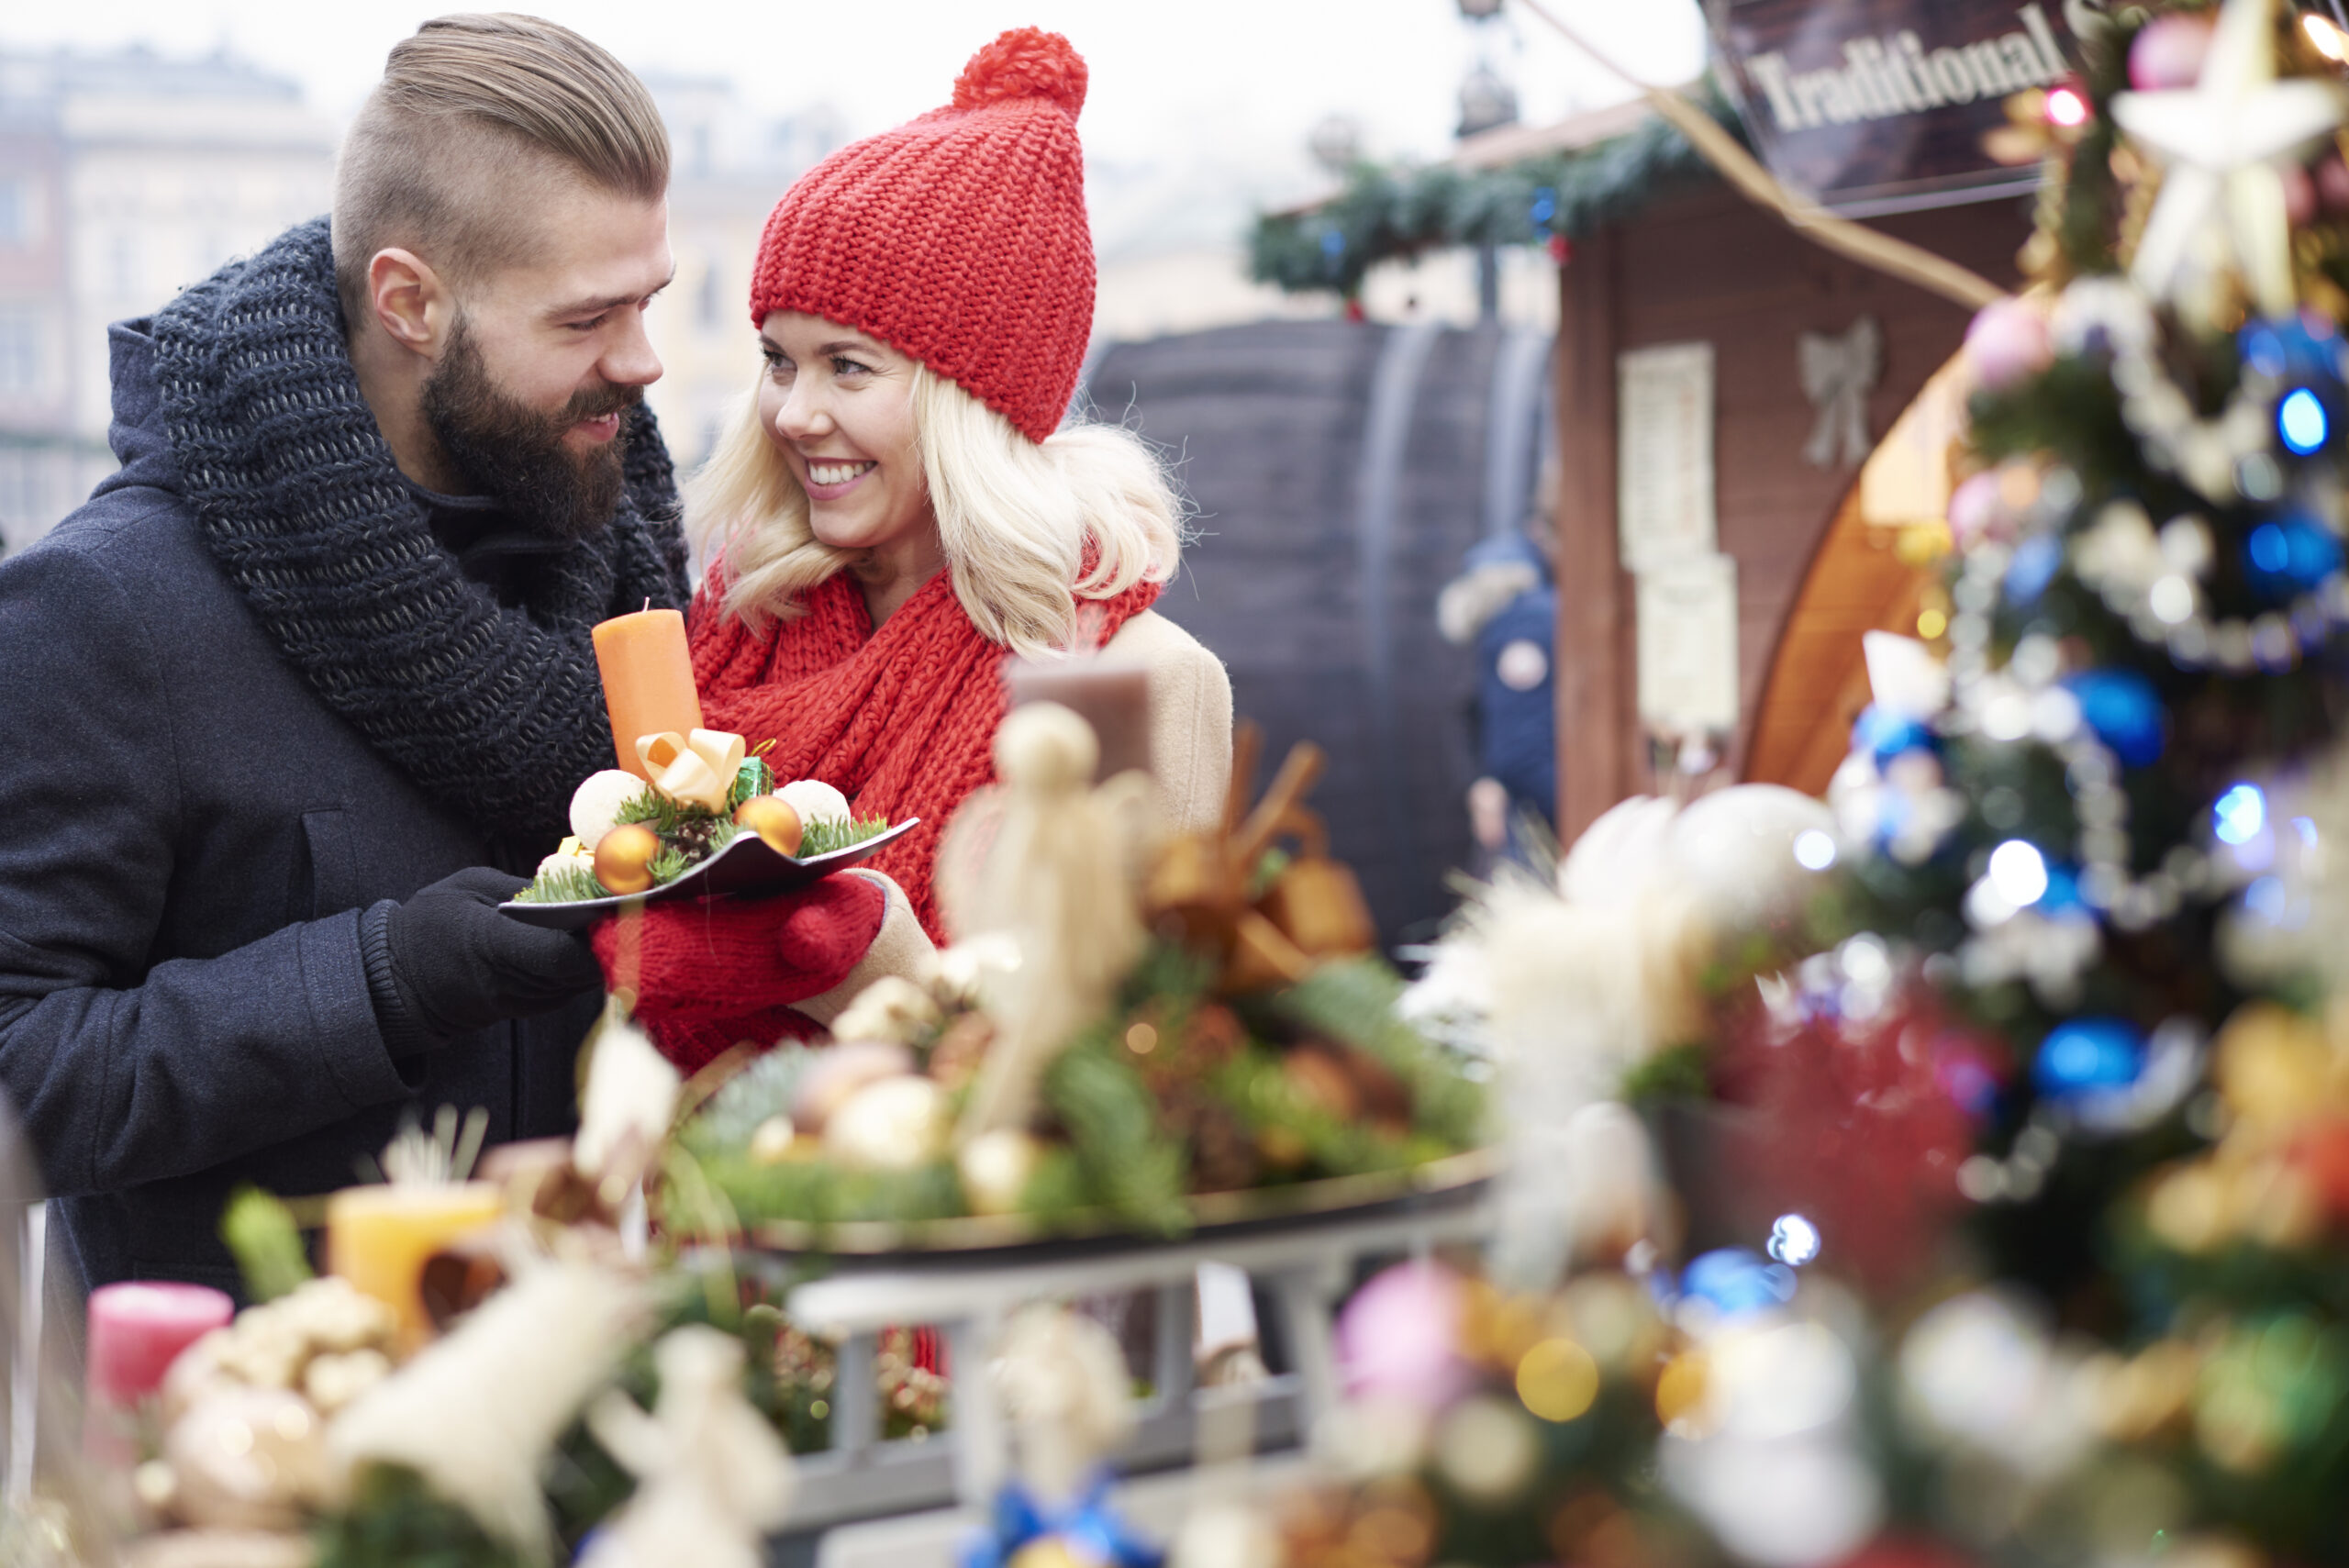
[(257, 684)]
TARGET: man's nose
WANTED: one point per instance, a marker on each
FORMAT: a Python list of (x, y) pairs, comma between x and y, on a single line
[(631, 361)]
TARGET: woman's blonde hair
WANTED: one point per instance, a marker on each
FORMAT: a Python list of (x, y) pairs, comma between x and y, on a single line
[(1018, 521)]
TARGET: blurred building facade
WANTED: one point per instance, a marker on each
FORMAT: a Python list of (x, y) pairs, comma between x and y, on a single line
[(124, 176), (727, 167)]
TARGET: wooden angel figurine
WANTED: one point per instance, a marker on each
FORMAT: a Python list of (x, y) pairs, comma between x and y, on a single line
[(712, 1477), (1053, 863)]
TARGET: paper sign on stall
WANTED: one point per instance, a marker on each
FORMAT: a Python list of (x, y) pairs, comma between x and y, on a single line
[(1664, 454), (1688, 645)]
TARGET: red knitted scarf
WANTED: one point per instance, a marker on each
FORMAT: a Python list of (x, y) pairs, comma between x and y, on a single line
[(901, 720)]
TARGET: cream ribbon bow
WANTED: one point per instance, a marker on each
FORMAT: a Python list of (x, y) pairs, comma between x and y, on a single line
[(698, 771), (1838, 371)]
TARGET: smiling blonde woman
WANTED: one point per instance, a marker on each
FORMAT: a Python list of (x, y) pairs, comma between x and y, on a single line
[(896, 511)]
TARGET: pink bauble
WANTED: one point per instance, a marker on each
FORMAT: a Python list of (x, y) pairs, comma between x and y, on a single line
[(1398, 1338), (2333, 184), (2300, 195), (1974, 511), (2008, 343), (2168, 53)]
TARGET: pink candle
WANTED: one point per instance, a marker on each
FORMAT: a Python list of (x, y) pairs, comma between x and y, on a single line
[(139, 1327)]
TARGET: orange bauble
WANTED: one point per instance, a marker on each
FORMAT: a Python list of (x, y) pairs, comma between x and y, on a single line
[(773, 818), (624, 858)]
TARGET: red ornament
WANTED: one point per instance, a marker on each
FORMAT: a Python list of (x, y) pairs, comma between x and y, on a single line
[(1354, 311), (1860, 1135), (2321, 1152), (1562, 250)]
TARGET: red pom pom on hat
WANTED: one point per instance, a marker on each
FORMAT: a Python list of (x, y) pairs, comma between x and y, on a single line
[(959, 239), (1026, 62)]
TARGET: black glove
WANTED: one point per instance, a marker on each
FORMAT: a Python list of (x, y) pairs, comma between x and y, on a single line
[(447, 962)]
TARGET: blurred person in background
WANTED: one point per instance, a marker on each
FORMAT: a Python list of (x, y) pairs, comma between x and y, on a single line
[(1504, 605), (306, 681), (897, 512)]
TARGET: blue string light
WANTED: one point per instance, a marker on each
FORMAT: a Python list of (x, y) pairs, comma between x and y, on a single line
[(2238, 816), (2300, 421)]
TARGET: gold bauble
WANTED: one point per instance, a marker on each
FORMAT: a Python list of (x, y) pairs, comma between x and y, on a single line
[(773, 818), (1053, 1552), (624, 858)]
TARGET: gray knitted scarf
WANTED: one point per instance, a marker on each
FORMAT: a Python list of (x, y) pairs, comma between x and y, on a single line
[(495, 712)]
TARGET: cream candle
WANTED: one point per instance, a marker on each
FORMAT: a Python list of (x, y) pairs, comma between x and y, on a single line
[(378, 1238)]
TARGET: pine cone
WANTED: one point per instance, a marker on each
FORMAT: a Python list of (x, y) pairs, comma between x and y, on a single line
[(962, 1046), (1223, 1154)]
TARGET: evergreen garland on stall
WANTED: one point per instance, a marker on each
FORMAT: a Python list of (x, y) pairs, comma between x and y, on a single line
[(1397, 212)]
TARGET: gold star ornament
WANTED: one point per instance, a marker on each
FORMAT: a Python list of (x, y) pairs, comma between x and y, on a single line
[(2218, 141)]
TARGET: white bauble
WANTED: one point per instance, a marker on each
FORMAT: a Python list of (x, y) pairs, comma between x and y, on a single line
[(596, 803), (995, 1167), (816, 801), (896, 1124), (1733, 851), (1618, 854), (839, 1071)]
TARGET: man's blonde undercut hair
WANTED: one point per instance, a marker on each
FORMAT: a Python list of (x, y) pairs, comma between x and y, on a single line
[(468, 107)]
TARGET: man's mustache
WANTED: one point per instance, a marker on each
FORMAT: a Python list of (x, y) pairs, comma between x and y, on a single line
[(607, 399)]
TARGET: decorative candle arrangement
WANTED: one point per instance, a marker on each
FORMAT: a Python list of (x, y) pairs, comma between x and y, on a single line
[(648, 680)]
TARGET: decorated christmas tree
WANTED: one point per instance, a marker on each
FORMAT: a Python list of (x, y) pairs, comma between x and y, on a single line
[(2008, 1161)]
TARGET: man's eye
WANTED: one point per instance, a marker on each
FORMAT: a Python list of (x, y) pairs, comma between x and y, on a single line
[(587, 325)]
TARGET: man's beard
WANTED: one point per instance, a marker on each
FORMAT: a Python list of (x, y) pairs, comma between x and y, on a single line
[(514, 454)]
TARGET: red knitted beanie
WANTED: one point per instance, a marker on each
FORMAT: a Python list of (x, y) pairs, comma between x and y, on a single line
[(960, 239)]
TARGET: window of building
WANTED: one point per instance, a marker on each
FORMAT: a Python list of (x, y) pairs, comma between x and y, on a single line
[(20, 210), (711, 306), (20, 355)]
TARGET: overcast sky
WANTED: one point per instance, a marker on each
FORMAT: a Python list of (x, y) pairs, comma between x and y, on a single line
[(1223, 82)]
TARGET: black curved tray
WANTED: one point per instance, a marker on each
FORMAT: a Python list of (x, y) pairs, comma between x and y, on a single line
[(747, 865)]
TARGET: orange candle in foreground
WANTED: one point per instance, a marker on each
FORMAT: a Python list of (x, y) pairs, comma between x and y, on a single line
[(648, 680), (379, 1239)]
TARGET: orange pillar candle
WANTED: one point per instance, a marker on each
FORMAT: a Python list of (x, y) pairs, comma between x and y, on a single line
[(648, 680), (379, 1238)]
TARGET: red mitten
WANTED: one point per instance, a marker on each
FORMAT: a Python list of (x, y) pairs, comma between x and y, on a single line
[(711, 974)]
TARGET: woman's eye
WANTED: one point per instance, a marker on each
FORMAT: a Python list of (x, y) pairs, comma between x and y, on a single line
[(777, 365), (842, 365)]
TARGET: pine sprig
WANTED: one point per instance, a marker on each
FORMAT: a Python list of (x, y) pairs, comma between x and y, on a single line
[(1112, 1122), (824, 837), (665, 817), (562, 884), (1354, 1000)]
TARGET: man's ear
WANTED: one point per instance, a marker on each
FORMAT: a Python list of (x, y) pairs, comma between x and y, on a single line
[(411, 301)]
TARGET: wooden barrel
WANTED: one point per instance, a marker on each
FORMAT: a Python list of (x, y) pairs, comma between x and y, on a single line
[(1339, 471)]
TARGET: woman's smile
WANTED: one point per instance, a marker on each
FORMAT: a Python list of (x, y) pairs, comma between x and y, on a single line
[(828, 479)]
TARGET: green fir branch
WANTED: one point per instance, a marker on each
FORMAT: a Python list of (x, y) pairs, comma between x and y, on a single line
[(665, 816), (823, 837), (562, 884), (266, 1243), (1397, 212)]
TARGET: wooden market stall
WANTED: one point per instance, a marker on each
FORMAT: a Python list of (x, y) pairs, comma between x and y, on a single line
[(1811, 570)]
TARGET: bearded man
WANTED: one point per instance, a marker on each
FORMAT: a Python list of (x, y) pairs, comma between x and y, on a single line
[(302, 689)]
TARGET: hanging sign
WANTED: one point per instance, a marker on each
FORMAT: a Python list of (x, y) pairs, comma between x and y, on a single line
[(1880, 106)]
